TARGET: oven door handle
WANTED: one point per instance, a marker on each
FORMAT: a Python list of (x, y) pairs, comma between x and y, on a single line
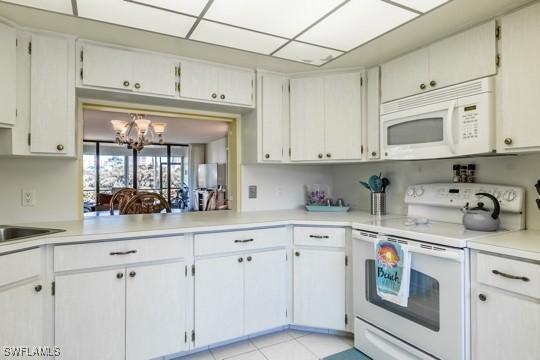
[(450, 127), (387, 347)]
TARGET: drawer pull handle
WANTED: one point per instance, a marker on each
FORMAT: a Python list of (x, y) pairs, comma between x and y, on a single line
[(123, 252), (319, 236), (243, 241), (508, 276)]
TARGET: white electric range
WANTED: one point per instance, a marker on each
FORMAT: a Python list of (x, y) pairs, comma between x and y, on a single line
[(434, 324)]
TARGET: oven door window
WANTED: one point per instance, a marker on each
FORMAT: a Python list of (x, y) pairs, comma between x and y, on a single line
[(423, 304), (419, 131)]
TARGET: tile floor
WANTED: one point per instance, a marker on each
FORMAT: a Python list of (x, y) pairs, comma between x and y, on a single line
[(283, 345)]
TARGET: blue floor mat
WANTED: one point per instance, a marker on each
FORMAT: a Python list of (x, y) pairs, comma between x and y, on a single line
[(351, 354)]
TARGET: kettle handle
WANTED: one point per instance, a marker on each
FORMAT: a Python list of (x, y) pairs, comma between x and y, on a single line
[(497, 207)]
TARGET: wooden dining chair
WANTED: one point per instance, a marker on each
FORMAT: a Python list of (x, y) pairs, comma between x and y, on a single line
[(121, 198), (146, 203)]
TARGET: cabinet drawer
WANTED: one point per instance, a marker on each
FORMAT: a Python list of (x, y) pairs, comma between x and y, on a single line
[(244, 240), (319, 236), (512, 275), (82, 256), (11, 269)]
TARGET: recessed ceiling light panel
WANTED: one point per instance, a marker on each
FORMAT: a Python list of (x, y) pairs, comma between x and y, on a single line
[(191, 7), (306, 53), (282, 18), (355, 23), (421, 5), (230, 36), (61, 6), (136, 16)]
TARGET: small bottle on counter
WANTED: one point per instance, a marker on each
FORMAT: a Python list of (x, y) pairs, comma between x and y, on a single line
[(471, 171), (463, 174), (455, 169)]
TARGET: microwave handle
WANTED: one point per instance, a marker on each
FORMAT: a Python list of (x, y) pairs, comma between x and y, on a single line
[(450, 127)]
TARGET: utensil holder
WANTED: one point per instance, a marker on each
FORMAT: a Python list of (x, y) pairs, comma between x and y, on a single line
[(378, 203)]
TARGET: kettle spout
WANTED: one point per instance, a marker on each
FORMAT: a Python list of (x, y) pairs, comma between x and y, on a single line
[(465, 209)]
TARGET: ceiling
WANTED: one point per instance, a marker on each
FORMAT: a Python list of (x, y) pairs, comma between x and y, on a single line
[(262, 27), (97, 126), (309, 31)]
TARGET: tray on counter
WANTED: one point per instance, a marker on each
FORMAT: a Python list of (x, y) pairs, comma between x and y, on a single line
[(324, 208)]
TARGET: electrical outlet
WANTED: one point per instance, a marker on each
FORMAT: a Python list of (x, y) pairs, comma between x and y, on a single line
[(28, 197), (252, 190)]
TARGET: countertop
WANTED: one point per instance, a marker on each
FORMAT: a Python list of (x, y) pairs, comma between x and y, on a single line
[(522, 244)]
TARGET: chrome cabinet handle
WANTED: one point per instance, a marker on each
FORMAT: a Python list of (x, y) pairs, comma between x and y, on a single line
[(132, 274), (508, 276), (123, 252), (482, 297), (222, 97), (126, 83), (328, 155), (297, 253), (422, 86), (508, 141), (432, 83), (243, 241), (319, 236), (320, 156), (373, 153), (267, 156), (38, 288), (240, 259), (214, 95), (59, 147), (249, 258), (137, 86), (119, 275)]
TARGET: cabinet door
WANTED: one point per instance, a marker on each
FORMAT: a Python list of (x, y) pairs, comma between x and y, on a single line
[(107, 67), (343, 117), (507, 326), (198, 81), (52, 95), (155, 310), (265, 291), (219, 299), (8, 74), (373, 103), (154, 74), (235, 86), (307, 119), (319, 288), (450, 59), (90, 315), (22, 308), (272, 116), (520, 76), (404, 76)]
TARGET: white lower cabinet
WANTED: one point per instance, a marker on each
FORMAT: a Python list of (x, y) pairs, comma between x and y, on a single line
[(127, 313), (319, 288), (239, 294)]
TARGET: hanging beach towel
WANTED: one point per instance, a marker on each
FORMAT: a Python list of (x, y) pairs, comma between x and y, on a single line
[(393, 270)]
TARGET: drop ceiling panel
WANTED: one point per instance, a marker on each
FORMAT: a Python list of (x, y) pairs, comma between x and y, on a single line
[(282, 18), (306, 53), (191, 7), (61, 6), (135, 15), (229, 36), (421, 5), (356, 23)]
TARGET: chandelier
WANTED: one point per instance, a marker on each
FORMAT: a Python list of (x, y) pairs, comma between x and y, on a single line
[(138, 133)]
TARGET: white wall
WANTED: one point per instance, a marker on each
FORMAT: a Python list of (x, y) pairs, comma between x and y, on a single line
[(522, 170), (280, 186), (55, 181), (216, 151)]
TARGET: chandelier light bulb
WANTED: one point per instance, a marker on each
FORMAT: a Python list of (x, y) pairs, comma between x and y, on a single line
[(159, 128), (119, 125)]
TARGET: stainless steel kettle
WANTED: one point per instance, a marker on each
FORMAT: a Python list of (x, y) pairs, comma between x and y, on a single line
[(480, 218)]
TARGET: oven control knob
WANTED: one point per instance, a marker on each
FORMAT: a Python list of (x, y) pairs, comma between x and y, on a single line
[(510, 195), (420, 191), (411, 191)]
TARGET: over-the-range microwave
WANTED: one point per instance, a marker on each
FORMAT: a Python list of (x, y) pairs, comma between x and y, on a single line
[(453, 121)]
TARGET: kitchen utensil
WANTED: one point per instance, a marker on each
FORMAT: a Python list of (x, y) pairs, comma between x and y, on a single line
[(538, 203), (385, 183), (480, 218), (537, 186), (366, 185), (375, 183)]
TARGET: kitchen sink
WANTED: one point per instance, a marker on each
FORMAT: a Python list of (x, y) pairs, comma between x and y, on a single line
[(10, 233)]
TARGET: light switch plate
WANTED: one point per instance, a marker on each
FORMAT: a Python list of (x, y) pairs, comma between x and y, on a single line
[(28, 197), (252, 190)]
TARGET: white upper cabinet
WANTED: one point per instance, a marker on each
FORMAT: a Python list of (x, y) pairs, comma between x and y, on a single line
[(122, 69), (443, 63), (343, 117), (307, 118), (8, 74), (326, 118), (520, 79), (273, 114), (202, 81), (52, 95)]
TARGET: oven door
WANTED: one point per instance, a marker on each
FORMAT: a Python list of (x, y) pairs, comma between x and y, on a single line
[(420, 133), (434, 320)]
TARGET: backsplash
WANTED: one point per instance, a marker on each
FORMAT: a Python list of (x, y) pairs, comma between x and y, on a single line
[(521, 170)]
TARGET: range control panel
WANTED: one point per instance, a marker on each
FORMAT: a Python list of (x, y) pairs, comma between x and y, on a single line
[(511, 198)]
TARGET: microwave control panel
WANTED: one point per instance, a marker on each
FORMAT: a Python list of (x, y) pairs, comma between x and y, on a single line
[(469, 117)]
